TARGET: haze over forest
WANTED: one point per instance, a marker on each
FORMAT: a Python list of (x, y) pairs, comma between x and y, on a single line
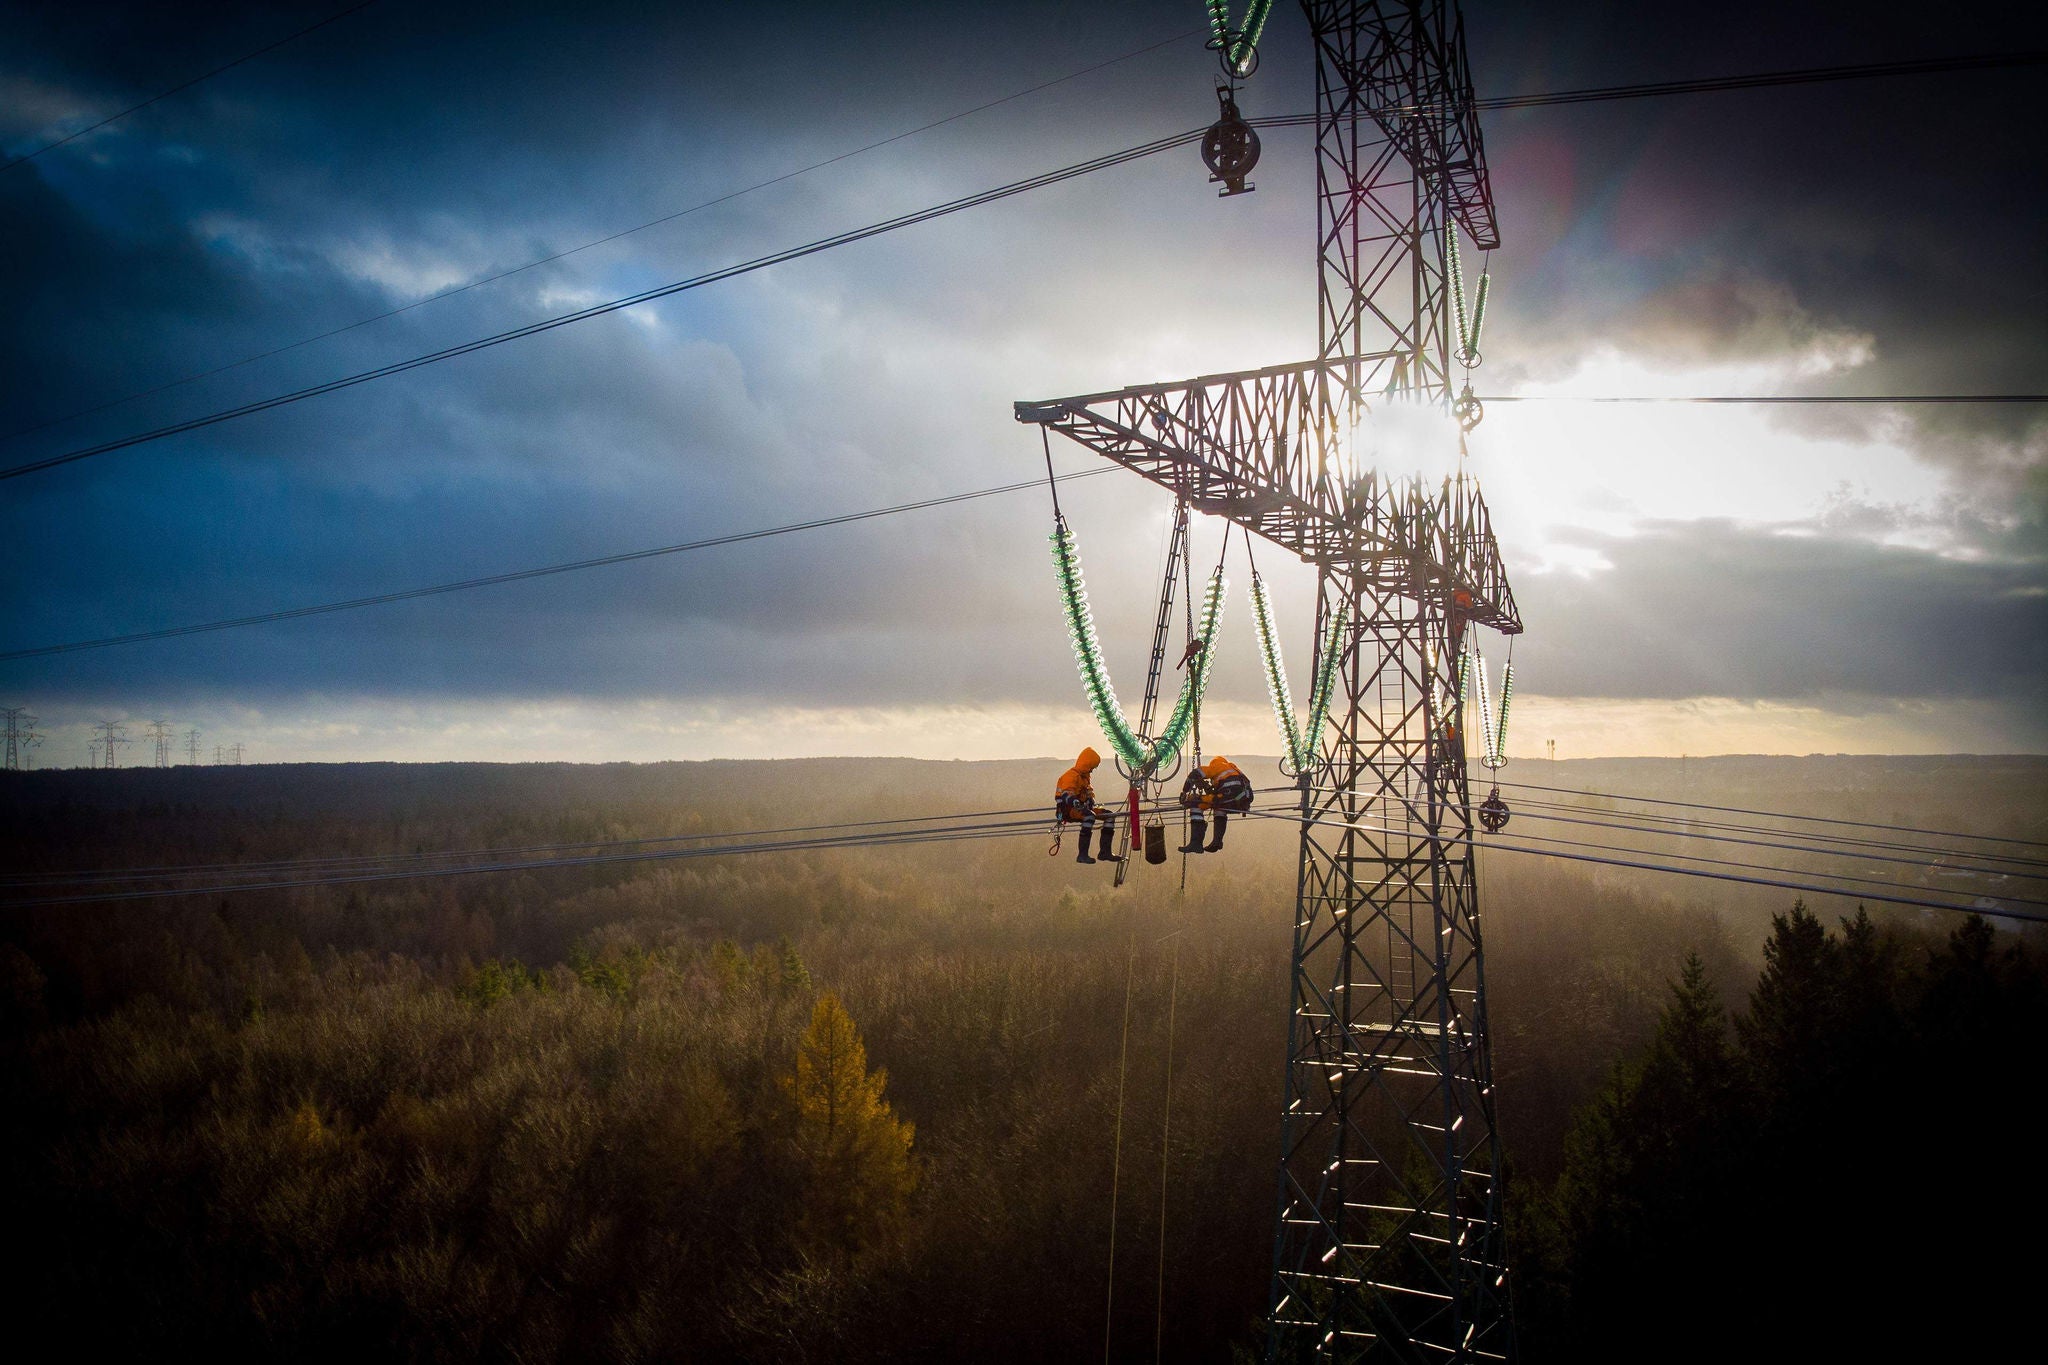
[(567, 1113)]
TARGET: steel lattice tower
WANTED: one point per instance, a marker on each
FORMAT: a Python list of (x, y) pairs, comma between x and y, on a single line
[(20, 734), (1388, 1241)]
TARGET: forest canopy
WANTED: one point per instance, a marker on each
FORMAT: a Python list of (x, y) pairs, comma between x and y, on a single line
[(864, 1105)]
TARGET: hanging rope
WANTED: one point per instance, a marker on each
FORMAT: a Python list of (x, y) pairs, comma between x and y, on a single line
[(1138, 756), (1165, 1151), (1116, 1160)]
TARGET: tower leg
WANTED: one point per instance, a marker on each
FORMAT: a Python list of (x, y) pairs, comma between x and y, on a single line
[(1389, 1238)]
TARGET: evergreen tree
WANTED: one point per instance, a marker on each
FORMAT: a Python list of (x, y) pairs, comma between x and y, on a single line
[(1641, 1225), (852, 1147), (1793, 1009)]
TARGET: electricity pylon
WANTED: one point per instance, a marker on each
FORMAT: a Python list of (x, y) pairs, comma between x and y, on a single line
[(192, 747), (1388, 1242), (21, 735), (112, 733), (160, 733)]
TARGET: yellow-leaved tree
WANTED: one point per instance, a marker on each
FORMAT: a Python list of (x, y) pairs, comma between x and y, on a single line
[(853, 1147)]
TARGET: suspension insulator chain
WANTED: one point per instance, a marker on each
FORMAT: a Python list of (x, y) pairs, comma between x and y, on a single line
[(1300, 742), (1138, 756)]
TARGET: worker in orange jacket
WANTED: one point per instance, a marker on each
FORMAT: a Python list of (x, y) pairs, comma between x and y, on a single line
[(1074, 800), (1219, 787)]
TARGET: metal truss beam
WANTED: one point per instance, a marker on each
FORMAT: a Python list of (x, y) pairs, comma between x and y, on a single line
[(1259, 448)]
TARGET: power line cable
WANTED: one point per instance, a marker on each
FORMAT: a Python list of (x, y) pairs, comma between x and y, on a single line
[(1836, 877), (275, 865), (1616, 823), (176, 89), (599, 241), (1886, 399), (1754, 843), (342, 867), (940, 210), (372, 861), (1775, 814), (1521, 844), (1545, 846), (1843, 845), (520, 575), (784, 256), (1811, 75), (874, 840)]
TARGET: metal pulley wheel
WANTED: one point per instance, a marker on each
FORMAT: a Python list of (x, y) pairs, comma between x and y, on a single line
[(1230, 148), (1493, 812), (1467, 410)]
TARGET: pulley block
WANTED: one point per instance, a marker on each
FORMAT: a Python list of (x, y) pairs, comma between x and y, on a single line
[(1493, 812), (1468, 410), (1230, 148)]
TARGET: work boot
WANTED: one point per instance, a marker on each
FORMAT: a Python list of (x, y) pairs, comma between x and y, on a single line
[(1197, 827), (1216, 844), (1082, 856), (1102, 853)]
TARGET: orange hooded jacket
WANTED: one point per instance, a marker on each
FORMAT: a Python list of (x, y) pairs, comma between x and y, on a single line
[(1229, 788), (1075, 793)]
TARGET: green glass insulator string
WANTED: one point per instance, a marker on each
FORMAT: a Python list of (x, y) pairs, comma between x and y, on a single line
[(1454, 267), (1136, 754), (1236, 45), (1300, 741), (1469, 323), (1493, 732), (1485, 709), (1478, 317), (1500, 731)]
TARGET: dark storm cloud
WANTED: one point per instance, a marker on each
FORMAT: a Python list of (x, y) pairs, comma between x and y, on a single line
[(1745, 226), (1712, 608), (410, 147)]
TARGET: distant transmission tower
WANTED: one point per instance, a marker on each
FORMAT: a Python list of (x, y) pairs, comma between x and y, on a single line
[(112, 733), (93, 749), (219, 756), (192, 747), (1550, 748), (21, 735), (238, 753), (1388, 1237), (160, 734)]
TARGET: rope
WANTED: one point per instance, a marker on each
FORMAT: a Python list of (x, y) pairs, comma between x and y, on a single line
[(1116, 1159), (1165, 1149)]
